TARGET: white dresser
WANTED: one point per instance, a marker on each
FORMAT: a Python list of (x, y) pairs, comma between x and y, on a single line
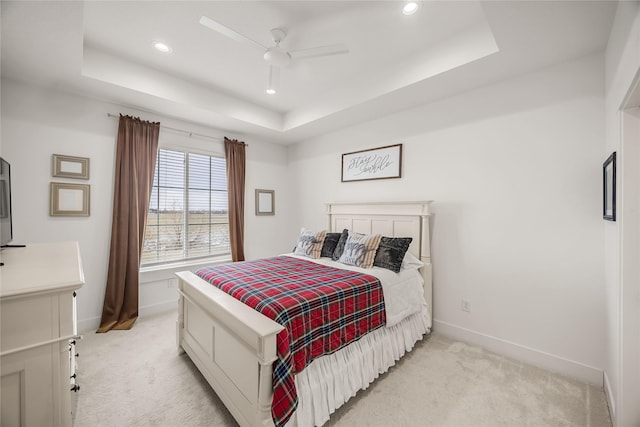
[(38, 321)]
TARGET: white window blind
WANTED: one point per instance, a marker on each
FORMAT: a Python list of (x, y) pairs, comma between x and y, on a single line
[(188, 215)]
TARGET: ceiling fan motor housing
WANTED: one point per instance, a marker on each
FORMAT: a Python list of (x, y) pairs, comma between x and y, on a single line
[(277, 57)]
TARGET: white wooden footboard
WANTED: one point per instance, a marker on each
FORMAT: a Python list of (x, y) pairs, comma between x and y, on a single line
[(232, 345)]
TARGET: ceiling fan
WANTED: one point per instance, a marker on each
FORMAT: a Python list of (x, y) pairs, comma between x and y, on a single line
[(275, 56)]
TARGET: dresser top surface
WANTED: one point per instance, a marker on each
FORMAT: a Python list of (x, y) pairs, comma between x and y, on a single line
[(40, 267)]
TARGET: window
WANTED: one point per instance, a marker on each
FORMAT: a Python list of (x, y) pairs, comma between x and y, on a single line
[(187, 215)]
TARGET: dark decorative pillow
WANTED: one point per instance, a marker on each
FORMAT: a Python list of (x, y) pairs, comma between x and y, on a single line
[(391, 252), (337, 252), (329, 245)]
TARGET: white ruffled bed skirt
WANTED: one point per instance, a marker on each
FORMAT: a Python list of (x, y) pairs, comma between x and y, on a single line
[(328, 382)]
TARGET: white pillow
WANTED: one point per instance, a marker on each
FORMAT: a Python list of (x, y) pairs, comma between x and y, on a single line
[(410, 261)]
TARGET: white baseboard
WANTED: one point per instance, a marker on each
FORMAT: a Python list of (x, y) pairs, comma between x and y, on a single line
[(93, 323), (610, 399), (162, 307), (528, 355), (88, 325)]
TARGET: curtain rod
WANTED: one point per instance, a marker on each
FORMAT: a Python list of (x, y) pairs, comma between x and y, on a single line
[(117, 116)]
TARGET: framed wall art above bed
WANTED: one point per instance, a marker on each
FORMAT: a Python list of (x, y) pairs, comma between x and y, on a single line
[(375, 163), (236, 347)]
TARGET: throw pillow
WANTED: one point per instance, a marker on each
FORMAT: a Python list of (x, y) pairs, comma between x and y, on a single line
[(360, 249), (310, 243), (329, 245), (337, 252), (391, 252)]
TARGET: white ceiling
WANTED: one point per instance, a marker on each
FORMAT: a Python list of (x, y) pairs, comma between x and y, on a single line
[(104, 49)]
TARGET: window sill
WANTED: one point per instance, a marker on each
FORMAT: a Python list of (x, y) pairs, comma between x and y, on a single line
[(167, 271)]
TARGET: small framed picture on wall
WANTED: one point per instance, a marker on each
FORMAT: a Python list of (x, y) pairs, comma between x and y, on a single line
[(265, 202), (70, 167), (69, 199)]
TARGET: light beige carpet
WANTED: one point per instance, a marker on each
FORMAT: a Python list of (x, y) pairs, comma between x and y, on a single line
[(137, 378)]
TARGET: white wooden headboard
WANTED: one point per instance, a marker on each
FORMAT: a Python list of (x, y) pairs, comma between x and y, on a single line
[(391, 219)]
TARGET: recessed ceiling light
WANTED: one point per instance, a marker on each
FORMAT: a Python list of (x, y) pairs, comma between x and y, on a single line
[(271, 91), (410, 8), (162, 47)]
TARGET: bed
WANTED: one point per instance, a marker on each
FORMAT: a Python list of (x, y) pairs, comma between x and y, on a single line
[(235, 347)]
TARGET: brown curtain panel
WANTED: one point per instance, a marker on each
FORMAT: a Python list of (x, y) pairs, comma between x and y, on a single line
[(236, 164), (136, 154)]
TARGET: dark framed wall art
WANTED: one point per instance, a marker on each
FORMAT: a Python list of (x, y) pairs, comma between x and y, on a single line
[(609, 188), (375, 163)]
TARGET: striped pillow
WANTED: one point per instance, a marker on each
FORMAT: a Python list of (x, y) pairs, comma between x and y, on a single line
[(310, 243), (360, 249)]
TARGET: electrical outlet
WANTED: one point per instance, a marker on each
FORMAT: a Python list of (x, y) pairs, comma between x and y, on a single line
[(466, 305)]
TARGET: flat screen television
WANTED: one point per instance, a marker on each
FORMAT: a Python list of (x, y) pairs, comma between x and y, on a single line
[(6, 226)]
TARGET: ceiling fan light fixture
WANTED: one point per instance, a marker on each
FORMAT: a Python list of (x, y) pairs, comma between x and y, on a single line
[(272, 83), (162, 47), (410, 7)]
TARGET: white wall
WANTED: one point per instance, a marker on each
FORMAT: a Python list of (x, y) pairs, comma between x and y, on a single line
[(514, 170), (37, 123), (622, 336)]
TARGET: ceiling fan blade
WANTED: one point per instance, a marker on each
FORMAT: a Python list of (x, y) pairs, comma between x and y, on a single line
[(334, 49), (232, 34)]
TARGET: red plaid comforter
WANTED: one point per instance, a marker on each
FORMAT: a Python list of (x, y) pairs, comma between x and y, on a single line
[(322, 309)]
